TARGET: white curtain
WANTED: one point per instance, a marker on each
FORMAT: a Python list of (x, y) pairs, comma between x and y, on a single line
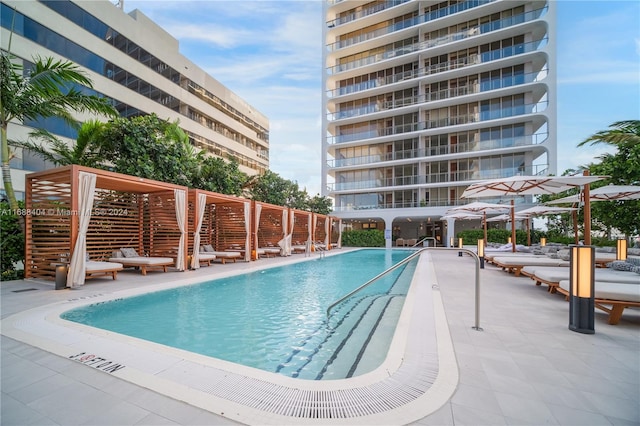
[(292, 223), (247, 228), (313, 228), (284, 251), (327, 232), (195, 255), (181, 204), (340, 233), (86, 191)]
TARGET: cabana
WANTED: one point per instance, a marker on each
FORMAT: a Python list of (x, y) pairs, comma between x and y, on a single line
[(302, 230), (321, 231), (271, 230), (78, 212), (220, 221)]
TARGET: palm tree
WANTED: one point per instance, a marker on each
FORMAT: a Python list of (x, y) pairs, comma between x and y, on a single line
[(85, 151), (49, 90), (622, 134)]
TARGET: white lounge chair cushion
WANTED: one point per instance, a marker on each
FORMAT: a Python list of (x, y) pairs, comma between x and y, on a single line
[(529, 261), (226, 254), (611, 291), (206, 256), (94, 266), (141, 260), (556, 274)]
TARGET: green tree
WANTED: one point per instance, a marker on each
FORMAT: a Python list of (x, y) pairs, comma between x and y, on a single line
[(623, 167), (320, 204), (50, 89), (150, 147), (272, 188), (216, 174), (85, 151)]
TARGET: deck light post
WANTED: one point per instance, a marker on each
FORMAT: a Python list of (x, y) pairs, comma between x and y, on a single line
[(481, 253), (451, 242), (459, 246), (621, 249), (543, 241), (581, 289)]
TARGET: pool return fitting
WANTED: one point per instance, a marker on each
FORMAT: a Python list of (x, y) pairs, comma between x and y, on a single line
[(409, 259)]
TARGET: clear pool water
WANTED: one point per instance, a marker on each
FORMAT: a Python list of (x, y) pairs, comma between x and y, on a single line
[(274, 319)]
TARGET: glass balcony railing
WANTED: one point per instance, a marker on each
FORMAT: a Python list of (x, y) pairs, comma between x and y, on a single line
[(482, 86), (415, 204), (418, 20), (427, 44), (466, 61), (424, 153), (362, 13), (482, 115), (435, 178)]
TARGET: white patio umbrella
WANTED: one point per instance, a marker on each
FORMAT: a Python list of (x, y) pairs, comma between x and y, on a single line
[(541, 210), (534, 185), (605, 193), (483, 208)]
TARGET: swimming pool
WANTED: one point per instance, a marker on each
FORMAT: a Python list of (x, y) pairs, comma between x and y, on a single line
[(274, 319)]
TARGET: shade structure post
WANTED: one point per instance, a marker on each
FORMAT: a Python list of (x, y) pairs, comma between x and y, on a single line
[(481, 253), (459, 246), (513, 226), (621, 249), (543, 241), (587, 212), (582, 289)]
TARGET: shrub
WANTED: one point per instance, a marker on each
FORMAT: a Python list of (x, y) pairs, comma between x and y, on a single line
[(363, 238), (11, 243)]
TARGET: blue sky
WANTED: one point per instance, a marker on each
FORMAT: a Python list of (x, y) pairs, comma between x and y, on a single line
[(269, 53)]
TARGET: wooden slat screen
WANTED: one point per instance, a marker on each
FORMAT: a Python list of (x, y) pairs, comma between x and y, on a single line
[(270, 226), (300, 228), (115, 223), (48, 217), (162, 234), (224, 225)]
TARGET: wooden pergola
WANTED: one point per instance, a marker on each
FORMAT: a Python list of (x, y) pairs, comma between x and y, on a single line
[(271, 226), (302, 226), (75, 208), (226, 221)]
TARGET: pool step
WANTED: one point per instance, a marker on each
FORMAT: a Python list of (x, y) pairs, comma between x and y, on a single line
[(366, 352), (321, 345)]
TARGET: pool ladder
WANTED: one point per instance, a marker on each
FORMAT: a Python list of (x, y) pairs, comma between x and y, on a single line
[(407, 260)]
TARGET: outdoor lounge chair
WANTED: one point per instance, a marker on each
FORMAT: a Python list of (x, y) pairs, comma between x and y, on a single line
[(94, 268), (610, 297), (206, 258), (222, 256), (552, 276), (128, 257), (516, 263), (400, 242)]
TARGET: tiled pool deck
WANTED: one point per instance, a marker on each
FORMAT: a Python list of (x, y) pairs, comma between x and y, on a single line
[(525, 367)]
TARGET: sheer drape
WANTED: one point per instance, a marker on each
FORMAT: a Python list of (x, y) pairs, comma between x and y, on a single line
[(247, 228), (195, 255), (78, 264), (181, 205)]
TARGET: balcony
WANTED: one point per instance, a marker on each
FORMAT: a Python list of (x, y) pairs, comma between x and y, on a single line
[(428, 153), (419, 20), (428, 44), (483, 86), (483, 115), (467, 61), (436, 178), (362, 13)]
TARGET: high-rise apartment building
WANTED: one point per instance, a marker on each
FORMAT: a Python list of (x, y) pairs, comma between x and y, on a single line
[(422, 98), (136, 64)]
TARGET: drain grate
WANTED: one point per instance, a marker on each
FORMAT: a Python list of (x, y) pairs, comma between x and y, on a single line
[(23, 290)]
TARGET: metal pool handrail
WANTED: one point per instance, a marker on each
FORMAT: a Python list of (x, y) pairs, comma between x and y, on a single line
[(408, 259)]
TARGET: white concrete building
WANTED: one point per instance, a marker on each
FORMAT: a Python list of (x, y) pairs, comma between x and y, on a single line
[(138, 65), (422, 98)]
